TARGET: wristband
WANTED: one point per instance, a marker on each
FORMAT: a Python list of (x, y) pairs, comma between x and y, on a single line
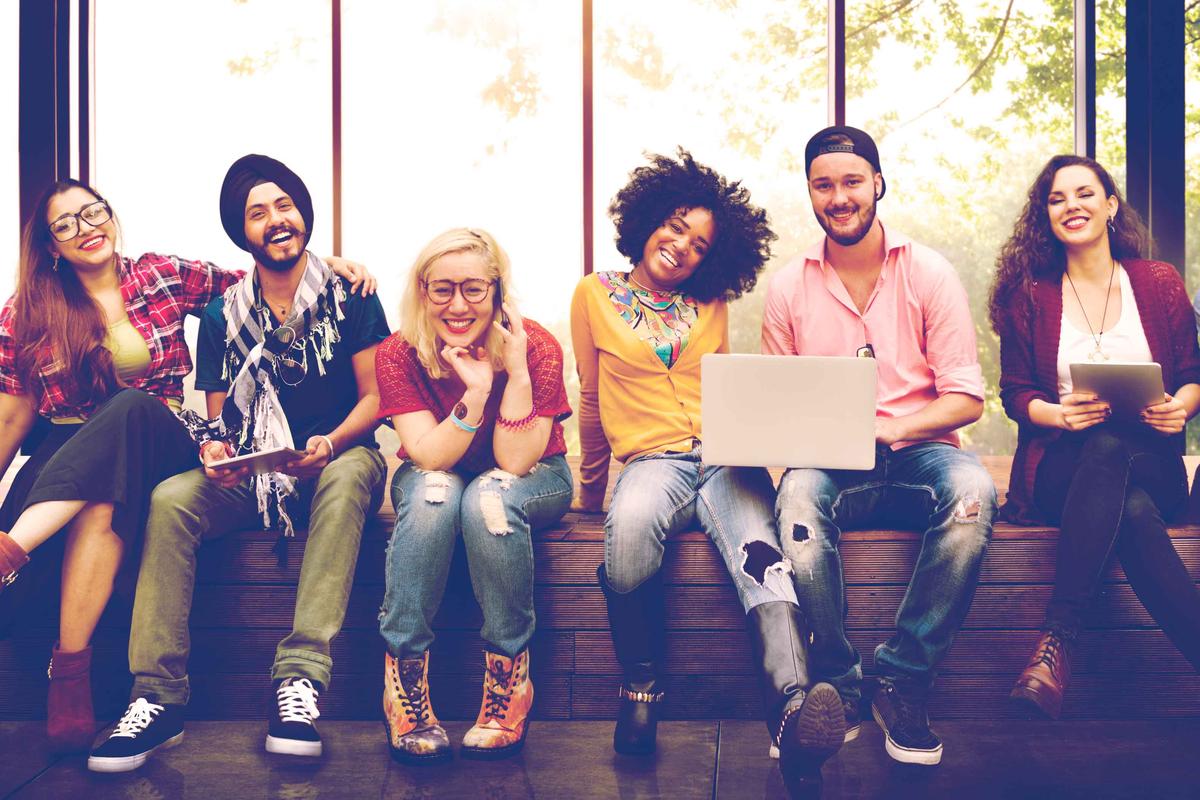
[(460, 422), (328, 441), (517, 424)]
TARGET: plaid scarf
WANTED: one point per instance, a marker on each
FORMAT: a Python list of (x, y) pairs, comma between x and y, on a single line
[(252, 418)]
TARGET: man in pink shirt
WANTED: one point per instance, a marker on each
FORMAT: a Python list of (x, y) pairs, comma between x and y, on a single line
[(874, 292)]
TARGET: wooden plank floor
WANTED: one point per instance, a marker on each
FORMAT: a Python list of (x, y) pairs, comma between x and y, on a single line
[(1126, 668)]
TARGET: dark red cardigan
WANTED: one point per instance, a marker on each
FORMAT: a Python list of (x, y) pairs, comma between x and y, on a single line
[(1029, 361)]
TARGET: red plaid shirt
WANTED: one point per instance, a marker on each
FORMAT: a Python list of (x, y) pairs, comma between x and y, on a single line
[(159, 292)]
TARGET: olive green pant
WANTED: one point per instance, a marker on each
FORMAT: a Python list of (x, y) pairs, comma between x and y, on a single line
[(188, 510)]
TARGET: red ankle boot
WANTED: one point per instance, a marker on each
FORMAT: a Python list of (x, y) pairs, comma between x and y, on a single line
[(12, 558), (70, 723)]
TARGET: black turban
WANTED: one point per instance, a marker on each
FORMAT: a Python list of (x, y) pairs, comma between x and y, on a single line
[(248, 172)]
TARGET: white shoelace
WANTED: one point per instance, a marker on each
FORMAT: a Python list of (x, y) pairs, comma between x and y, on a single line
[(297, 701), (137, 718)]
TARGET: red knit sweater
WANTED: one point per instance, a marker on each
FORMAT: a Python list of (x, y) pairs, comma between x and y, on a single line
[(1029, 361)]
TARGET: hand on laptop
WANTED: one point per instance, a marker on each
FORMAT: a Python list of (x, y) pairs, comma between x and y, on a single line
[(887, 431)]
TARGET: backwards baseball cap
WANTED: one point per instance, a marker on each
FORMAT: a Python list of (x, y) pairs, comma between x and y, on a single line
[(861, 144), (248, 172)]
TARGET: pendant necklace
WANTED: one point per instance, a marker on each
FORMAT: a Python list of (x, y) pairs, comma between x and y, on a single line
[(1097, 354)]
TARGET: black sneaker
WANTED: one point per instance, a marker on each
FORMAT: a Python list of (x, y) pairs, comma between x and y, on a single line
[(291, 730), (900, 709), (145, 728)]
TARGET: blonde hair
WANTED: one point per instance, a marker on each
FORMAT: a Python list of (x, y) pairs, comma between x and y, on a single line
[(415, 327)]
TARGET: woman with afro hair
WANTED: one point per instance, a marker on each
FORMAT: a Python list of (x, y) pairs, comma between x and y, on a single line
[(694, 242), (1071, 286)]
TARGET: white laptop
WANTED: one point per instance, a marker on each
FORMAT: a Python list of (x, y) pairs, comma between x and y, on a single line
[(788, 411)]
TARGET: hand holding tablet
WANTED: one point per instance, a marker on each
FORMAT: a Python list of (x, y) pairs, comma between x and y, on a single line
[(262, 461)]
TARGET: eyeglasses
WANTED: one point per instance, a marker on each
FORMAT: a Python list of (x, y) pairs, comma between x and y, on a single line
[(474, 290), (283, 341), (66, 227)]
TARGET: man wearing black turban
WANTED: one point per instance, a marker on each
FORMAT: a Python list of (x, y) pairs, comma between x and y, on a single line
[(286, 358), (247, 173)]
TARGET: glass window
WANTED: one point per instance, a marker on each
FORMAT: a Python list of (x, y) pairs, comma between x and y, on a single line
[(466, 114), (1110, 90), (967, 101), (740, 85), (10, 214), (183, 90), (1192, 164)]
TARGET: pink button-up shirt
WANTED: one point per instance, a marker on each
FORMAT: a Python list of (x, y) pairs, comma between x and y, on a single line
[(916, 320)]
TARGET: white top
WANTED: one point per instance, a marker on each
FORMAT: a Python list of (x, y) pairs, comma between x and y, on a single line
[(1125, 341)]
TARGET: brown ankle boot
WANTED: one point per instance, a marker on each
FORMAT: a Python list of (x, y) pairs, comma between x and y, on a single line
[(414, 733), (12, 558), (1045, 678), (502, 723), (70, 723)]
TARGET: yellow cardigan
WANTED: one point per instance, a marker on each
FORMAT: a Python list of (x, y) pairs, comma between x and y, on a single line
[(630, 403)]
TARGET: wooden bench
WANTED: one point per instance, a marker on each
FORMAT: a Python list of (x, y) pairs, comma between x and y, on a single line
[(1125, 668)]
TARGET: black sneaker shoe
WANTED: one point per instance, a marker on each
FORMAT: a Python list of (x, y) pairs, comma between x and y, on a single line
[(853, 720), (291, 730), (900, 709), (144, 728), (853, 726)]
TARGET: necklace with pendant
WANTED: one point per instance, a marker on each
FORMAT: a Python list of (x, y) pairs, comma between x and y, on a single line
[(1097, 354)]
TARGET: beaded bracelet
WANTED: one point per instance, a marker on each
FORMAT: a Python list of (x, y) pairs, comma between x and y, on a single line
[(517, 424)]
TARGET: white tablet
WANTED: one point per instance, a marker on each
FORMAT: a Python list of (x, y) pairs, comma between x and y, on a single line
[(260, 462), (1126, 386)]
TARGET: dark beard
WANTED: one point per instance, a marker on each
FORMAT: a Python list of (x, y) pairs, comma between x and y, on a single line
[(854, 238), (263, 257)]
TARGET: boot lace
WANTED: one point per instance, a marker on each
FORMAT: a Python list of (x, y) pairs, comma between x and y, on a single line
[(1050, 652), (297, 700), (136, 719), (408, 676), (496, 703)]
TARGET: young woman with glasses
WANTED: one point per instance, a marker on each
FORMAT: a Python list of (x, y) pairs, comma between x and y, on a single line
[(1072, 286), (476, 394), (693, 242), (91, 342)]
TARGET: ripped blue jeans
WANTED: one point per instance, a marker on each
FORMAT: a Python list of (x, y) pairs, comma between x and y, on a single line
[(494, 512), (932, 487), (665, 493)]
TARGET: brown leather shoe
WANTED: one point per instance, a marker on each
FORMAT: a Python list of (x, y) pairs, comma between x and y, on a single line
[(1046, 676)]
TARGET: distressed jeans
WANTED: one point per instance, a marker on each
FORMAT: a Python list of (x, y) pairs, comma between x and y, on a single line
[(934, 487), (664, 493), (494, 513), (189, 509)]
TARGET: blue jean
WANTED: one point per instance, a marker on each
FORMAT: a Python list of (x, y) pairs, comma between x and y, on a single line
[(494, 512), (665, 493), (933, 487)]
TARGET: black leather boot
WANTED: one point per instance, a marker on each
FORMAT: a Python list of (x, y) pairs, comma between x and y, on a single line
[(636, 619), (806, 721)]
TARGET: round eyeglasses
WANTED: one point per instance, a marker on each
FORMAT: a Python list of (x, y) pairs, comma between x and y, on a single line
[(474, 290), (66, 227)]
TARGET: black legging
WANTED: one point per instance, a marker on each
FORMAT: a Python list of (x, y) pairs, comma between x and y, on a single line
[(1111, 487)]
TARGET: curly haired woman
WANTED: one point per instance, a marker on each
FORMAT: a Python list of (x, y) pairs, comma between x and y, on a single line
[(695, 242), (1070, 287)]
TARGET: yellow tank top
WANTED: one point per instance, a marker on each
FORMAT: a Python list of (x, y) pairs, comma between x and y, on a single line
[(131, 358)]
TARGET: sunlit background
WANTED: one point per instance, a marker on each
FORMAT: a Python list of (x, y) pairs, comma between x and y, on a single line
[(469, 112)]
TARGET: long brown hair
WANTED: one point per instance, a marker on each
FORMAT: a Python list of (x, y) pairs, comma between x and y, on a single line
[(56, 323), (1033, 251)]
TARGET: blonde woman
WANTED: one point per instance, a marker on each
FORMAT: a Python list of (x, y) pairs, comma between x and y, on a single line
[(476, 394)]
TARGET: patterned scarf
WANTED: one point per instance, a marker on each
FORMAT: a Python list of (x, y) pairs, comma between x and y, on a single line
[(252, 418)]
